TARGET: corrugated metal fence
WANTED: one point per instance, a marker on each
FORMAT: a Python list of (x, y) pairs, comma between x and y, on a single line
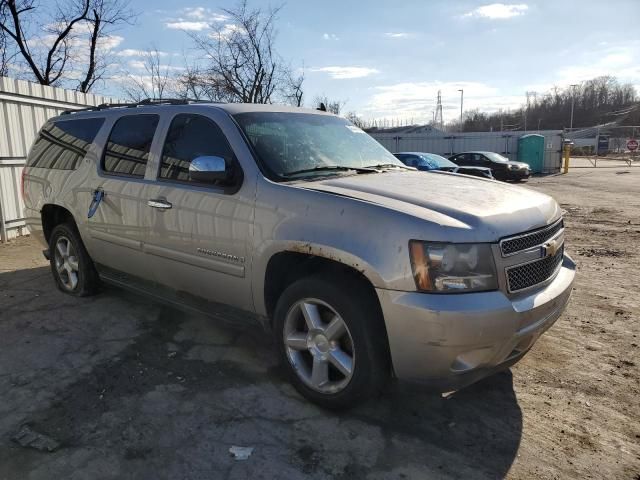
[(24, 108), (505, 143)]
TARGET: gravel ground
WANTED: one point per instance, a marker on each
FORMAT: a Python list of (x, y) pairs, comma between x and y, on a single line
[(115, 386)]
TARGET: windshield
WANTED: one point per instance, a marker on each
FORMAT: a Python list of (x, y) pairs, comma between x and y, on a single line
[(441, 162), (304, 144), (496, 157)]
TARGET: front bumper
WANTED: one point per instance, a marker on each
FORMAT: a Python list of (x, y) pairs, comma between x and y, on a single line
[(450, 341), (517, 174)]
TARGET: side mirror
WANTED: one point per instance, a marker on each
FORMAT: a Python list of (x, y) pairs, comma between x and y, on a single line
[(208, 169)]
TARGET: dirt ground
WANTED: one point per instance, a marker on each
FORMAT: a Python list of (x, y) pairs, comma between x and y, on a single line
[(119, 387)]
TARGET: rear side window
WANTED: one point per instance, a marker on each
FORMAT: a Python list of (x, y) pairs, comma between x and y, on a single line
[(129, 144), (191, 136), (63, 144)]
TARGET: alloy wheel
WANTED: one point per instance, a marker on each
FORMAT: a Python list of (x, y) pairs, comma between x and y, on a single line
[(66, 263), (319, 345)]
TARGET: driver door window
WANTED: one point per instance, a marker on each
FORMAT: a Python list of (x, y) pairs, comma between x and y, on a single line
[(191, 136)]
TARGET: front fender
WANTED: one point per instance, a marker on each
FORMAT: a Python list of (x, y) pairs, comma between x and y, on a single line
[(361, 235), (307, 248)]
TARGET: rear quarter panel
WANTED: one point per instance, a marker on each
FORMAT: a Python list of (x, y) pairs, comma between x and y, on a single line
[(69, 189)]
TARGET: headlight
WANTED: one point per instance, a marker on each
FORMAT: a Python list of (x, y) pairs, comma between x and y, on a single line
[(450, 268), (512, 167)]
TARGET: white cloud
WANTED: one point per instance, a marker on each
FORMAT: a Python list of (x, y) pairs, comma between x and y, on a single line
[(202, 13), (230, 28), (498, 11), (195, 19), (105, 44), (397, 34), (618, 65), (620, 61), (226, 30), (110, 42), (417, 100), (187, 25), (341, 73), (139, 64), (131, 52), (330, 36), (142, 65), (195, 12)]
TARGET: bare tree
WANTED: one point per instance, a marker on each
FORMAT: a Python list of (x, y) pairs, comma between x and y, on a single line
[(333, 106), (293, 92), (7, 55), (154, 83), (61, 53), (241, 62), (105, 17), (601, 99), (358, 121), (196, 84)]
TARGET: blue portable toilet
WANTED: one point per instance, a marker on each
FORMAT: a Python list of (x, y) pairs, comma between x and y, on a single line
[(531, 151)]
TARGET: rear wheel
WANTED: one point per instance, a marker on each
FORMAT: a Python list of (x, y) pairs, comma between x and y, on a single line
[(72, 268), (332, 341)]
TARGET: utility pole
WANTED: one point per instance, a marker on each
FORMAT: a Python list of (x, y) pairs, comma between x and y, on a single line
[(461, 103), (573, 99)]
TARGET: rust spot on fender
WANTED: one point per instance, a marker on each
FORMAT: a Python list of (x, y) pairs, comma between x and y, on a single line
[(309, 249)]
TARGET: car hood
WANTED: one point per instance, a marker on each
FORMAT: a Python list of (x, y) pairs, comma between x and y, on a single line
[(489, 209)]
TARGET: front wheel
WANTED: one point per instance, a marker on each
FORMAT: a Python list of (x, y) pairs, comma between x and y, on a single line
[(332, 341)]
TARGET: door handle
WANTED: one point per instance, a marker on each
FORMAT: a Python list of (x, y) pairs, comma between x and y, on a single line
[(98, 195), (159, 203)]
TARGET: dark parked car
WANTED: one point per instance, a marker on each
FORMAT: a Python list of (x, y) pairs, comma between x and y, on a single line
[(501, 167), (431, 161)]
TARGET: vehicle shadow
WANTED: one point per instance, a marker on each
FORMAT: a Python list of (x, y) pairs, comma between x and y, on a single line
[(66, 349), (471, 433)]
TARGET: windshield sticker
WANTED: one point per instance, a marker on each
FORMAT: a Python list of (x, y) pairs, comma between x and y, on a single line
[(354, 129)]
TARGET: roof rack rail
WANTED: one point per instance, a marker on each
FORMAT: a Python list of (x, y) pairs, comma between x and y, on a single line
[(141, 103)]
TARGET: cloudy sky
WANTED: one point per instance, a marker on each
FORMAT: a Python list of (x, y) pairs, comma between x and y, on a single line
[(389, 58)]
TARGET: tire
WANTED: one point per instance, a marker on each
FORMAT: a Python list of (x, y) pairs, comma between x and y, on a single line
[(71, 265), (363, 339)]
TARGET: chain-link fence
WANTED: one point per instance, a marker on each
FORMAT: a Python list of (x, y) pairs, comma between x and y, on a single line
[(605, 146)]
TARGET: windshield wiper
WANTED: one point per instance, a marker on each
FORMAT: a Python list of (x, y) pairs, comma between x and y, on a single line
[(329, 168), (389, 165)]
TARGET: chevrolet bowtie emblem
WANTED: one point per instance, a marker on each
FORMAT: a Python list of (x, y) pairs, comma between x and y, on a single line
[(550, 249)]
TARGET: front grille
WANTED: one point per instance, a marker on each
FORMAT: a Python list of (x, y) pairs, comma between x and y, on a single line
[(534, 238), (533, 273)]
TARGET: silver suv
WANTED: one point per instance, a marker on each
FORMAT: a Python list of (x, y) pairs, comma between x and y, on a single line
[(364, 269)]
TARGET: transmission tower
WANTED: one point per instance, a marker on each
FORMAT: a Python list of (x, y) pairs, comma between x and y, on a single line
[(437, 120)]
